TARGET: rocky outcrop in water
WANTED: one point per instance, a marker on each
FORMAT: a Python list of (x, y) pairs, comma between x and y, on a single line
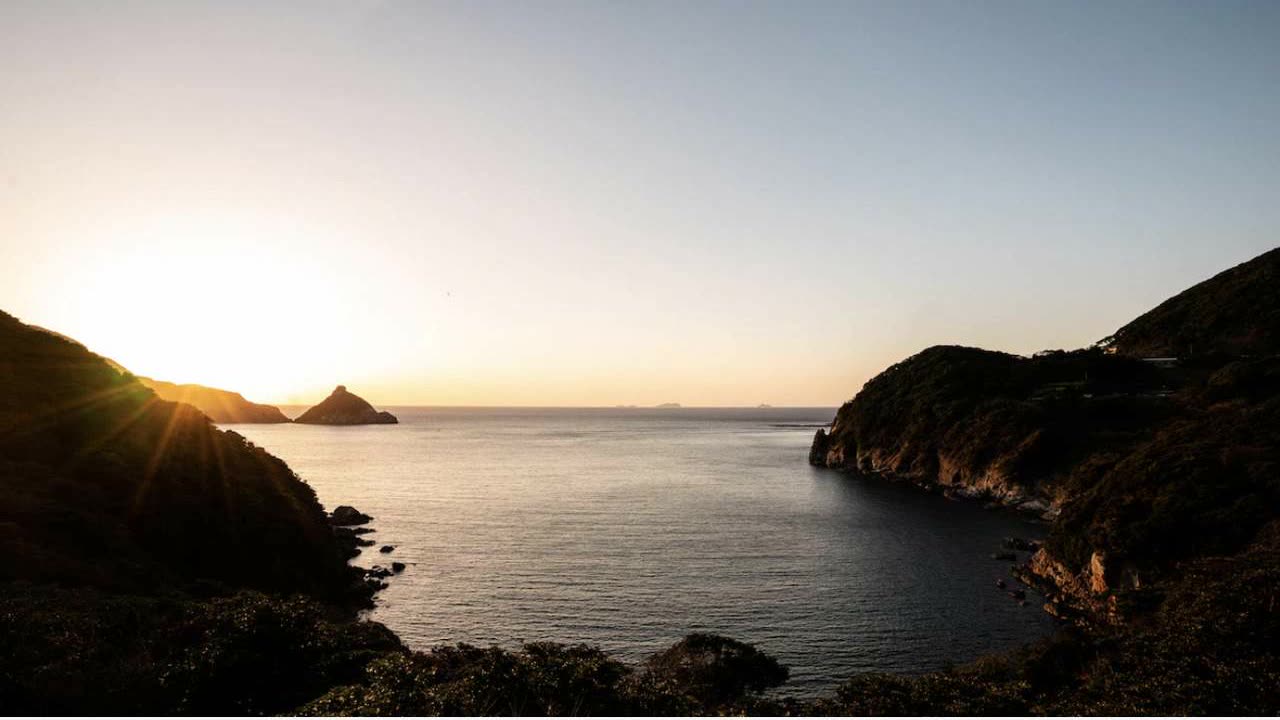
[(345, 408), (347, 515)]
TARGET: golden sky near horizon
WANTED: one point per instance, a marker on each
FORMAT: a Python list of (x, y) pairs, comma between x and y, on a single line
[(599, 204)]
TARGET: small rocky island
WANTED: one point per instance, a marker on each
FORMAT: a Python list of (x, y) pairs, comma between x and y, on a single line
[(344, 408)]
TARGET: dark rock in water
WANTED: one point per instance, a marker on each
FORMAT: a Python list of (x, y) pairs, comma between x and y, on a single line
[(1021, 544), (377, 571), (344, 408), (347, 515), (818, 451), (1001, 584), (386, 549), (349, 542), (1004, 556), (397, 567), (1018, 594)]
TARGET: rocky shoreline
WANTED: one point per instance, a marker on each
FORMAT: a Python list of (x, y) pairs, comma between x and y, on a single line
[(349, 528), (993, 491)]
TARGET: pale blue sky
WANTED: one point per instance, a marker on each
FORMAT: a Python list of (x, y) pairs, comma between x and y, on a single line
[(630, 202)]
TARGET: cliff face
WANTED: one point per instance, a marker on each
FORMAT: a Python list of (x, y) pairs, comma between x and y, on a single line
[(103, 483), (344, 408), (222, 406), (989, 425)]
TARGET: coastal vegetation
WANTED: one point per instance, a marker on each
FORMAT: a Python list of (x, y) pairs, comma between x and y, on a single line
[(151, 563), (1236, 312)]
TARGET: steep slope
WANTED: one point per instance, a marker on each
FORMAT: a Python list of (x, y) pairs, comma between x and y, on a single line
[(1200, 484), (1145, 468), (222, 406), (344, 408), (991, 425), (102, 483), (1236, 312)]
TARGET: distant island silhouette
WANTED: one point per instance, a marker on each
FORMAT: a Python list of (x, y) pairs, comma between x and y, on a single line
[(345, 408), (222, 406)]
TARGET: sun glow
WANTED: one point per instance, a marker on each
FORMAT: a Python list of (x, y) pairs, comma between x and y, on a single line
[(237, 304)]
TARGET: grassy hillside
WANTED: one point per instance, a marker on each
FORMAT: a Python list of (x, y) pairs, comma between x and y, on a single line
[(1236, 312)]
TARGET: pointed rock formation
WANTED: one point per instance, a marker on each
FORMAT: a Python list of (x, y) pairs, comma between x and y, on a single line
[(344, 408)]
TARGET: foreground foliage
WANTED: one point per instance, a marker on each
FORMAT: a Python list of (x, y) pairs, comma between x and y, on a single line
[(85, 652)]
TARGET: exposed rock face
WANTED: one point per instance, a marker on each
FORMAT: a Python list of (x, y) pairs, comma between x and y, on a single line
[(986, 425), (1073, 594), (222, 406), (344, 408)]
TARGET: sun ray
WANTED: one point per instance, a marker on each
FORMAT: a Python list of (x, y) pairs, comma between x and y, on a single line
[(178, 413), (113, 432)]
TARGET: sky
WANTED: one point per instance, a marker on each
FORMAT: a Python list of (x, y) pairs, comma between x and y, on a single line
[(599, 203)]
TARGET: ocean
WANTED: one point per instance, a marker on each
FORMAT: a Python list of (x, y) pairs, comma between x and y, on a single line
[(630, 528)]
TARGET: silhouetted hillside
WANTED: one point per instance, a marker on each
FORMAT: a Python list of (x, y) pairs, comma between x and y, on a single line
[(222, 406), (1236, 312), (102, 483), (989, 424)]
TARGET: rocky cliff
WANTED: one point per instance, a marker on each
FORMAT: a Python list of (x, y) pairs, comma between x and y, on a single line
[(1141, 466), (989, 425), (222, 406), (345, 408)]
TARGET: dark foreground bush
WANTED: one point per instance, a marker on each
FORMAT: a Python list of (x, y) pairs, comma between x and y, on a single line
[(81, 652), (702, 674), (705, 671)]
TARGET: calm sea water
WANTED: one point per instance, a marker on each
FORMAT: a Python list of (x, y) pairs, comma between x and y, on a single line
[(628, 529)]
